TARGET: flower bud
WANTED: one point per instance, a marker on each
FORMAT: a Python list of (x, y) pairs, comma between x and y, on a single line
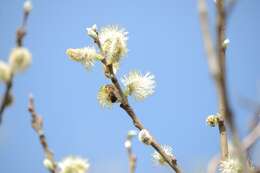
[(230, 165), (48, 164), (226, 43), (128, 144), (27, 6), (212, 120), (131, 133), (19, 60), (145, 137), (92, 32), (73, 164), (158, 158), (5, 72)]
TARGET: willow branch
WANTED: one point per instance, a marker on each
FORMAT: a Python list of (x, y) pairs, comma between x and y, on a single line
[(207, 39), (20, 33), (124, 104), (220, 78), (37, 125), (214, 69), (137, 123), (220, 74), (131, 156), (221, 83), (218, 71), (7, 98), (223, 138)]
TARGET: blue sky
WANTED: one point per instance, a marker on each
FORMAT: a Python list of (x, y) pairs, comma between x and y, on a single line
[(164, 39)]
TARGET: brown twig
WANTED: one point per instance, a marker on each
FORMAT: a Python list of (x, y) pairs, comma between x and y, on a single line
[(131, 156), (124, 104), (20, 33), (208, 42), (6, 98), (220, 78), (37, 125), (223, 138), (215, 71), (219, 75), (221, 83)]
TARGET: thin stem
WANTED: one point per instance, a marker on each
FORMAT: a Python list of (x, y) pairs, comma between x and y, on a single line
[(221, 83), (223, 138), (207, 39), (6, 98), (20, 33), (215, 71), (132, 115), (37, 125), (131, 156), (220, 79), (219, 75), (132, 160)]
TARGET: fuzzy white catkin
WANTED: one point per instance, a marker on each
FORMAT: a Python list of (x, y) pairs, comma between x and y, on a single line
[(138, 85), (131, 133), (157, 157), (145, 137), (5, 72), (92, 31), (212, 120), (103, 97), (86, 56), (73, 164), (230, 165), (20, 59), (128, 144), (48, 164), (113, 42)]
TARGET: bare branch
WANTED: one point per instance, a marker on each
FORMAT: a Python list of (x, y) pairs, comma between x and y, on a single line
[(207, 39), (215, 71), (219, 75), (6, 98), (37, 125), (223, 138), (131, 156), (20, 33)]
